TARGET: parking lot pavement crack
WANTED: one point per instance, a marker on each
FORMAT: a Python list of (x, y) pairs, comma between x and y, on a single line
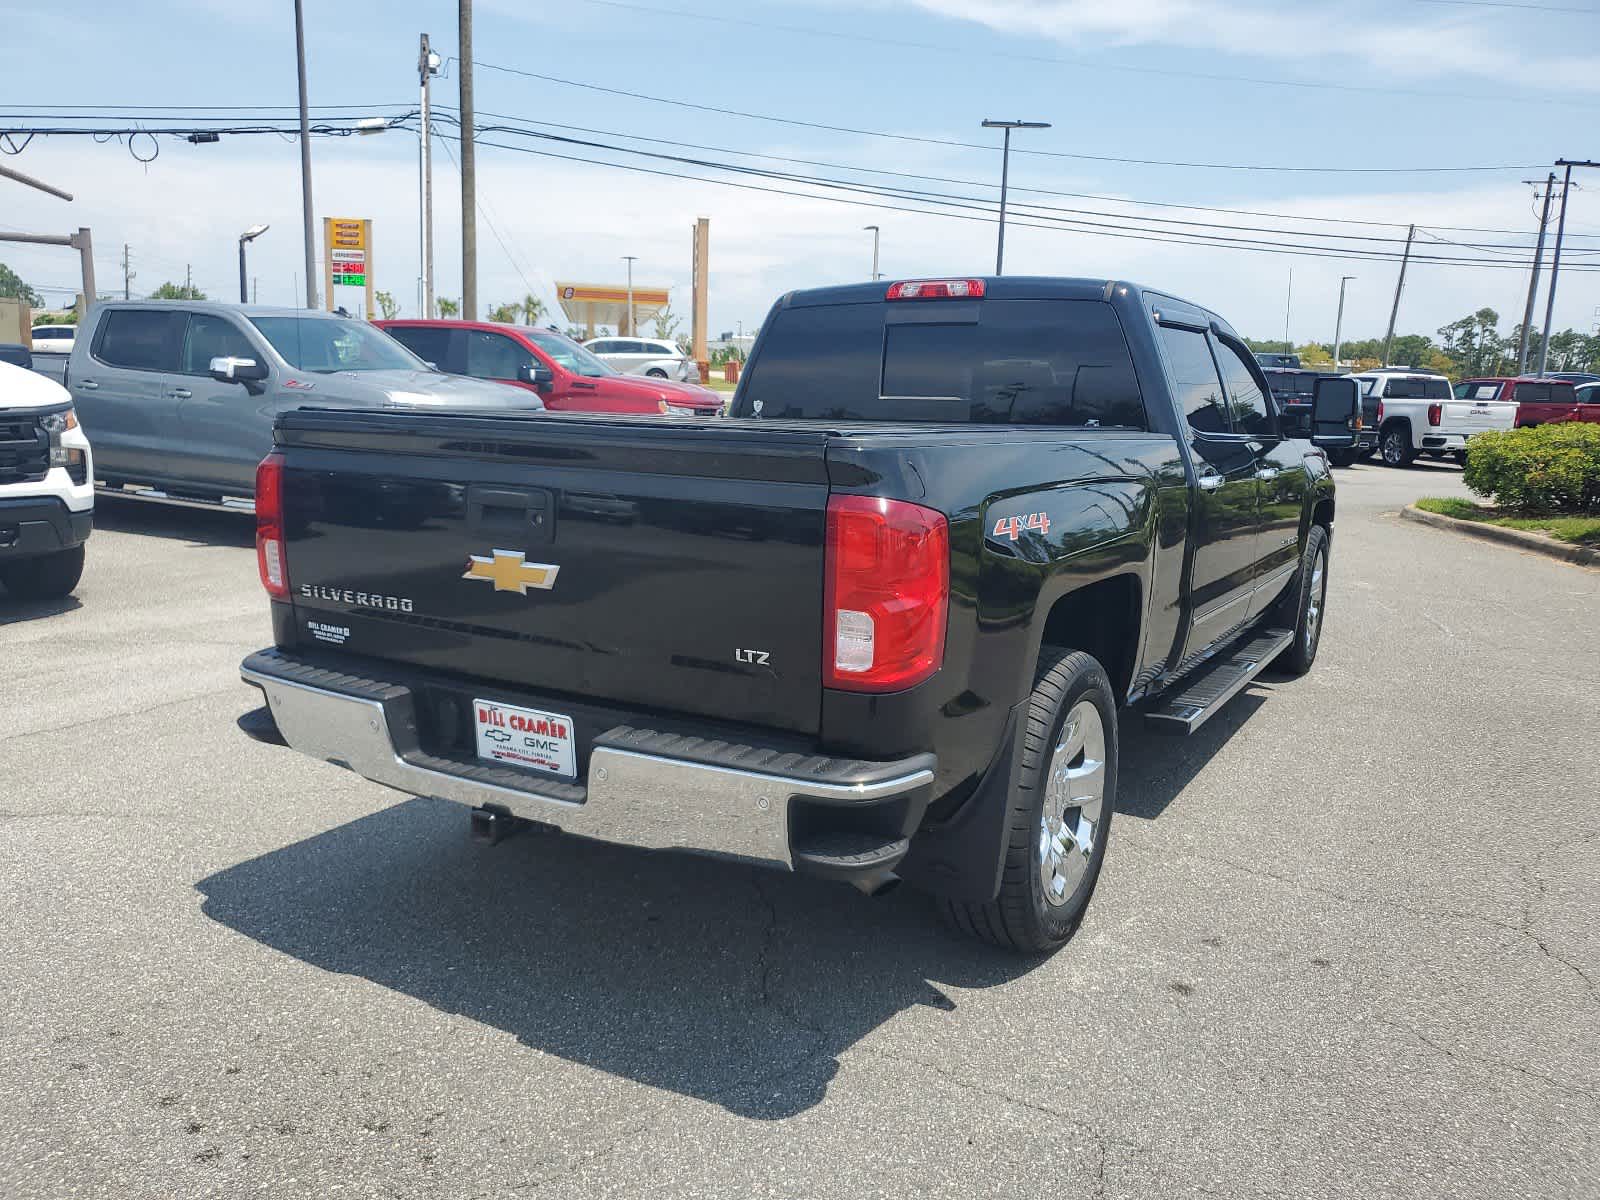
[(1523, 931), (232, 689), (1459, 1055)]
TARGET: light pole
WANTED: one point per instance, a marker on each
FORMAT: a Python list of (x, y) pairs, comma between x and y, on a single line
[(874, 229), (630, 259), (1338, 321), (305, 159), (249, 235), (1005, 162)]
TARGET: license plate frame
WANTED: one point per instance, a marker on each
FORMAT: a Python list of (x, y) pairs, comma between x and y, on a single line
[(513, 735)]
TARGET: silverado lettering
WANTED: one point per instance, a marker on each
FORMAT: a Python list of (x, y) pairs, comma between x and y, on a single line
[(980, 521)]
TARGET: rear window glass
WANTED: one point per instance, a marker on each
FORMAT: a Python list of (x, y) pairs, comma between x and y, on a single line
[(145, 339), (1417, 389), (1006, 362)]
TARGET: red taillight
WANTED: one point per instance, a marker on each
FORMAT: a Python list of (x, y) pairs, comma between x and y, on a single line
[(1435, 414), (887, 594), (270, 558), (936, 289), (1380, 412)]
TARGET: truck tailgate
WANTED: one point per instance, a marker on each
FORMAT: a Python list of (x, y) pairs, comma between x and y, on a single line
[(1477, 416), (667, 565)]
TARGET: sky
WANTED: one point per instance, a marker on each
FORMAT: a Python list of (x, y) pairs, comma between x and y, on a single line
[(1389, 92)]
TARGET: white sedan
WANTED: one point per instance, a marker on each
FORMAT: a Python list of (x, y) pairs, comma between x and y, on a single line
[(655, 357)]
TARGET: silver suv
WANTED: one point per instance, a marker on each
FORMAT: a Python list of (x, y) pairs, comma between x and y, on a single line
[(181, 396), (655, 357)]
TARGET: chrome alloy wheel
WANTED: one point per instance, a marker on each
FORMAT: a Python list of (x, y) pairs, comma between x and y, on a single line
[(1394, 447), (1319, 596), (1074, 803)]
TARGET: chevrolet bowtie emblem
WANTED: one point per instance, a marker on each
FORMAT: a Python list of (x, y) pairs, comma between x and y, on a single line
[(508, 571)]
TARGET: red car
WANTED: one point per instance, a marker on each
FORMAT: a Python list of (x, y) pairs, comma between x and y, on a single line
[(1541, 401), (566, 376)]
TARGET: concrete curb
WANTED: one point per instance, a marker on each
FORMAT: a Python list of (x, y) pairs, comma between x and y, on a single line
[(1522, 540)]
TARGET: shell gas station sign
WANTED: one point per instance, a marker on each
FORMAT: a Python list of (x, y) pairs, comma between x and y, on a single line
[(347, 257)]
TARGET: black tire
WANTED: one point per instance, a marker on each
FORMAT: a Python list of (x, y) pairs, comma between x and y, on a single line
[(1366, 452), (1342, 458), (1395, 443), (656, 373), (1021, 917), (47, 577), (1460, 457), (1295, 610)]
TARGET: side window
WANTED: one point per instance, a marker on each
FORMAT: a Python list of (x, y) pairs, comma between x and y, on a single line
[(143, 339), (1194, 376), (494, 356), (1461, 390), (213, 337), (600, 347), (430, 345), (1484, 391), (1246, 398), (1533, 393)]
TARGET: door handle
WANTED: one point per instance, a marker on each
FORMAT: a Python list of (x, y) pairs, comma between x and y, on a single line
[(1266, 473), (584, 387), (180, 393), (88, 385), (1209, 481)]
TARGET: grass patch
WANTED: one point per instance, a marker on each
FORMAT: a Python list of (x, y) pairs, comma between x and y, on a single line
[(1580, 531)]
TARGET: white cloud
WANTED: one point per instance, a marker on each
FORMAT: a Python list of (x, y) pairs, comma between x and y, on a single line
[(1282, 36)]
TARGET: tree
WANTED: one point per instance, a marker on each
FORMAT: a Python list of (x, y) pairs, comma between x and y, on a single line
[(387, 305), (667, 323), (447, 307), (532, 308), (1313, 354), (177, 291), (12, 287), (505, 314)]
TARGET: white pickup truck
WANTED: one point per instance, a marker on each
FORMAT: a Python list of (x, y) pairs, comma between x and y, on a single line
[(1418, 414), (46, 487)]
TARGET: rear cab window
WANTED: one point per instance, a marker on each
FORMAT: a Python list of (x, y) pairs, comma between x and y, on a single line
[(141, 339), (1004, 362), (1407, 387)]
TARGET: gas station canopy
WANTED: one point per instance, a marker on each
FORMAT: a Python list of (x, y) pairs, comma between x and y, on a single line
[(592, 304)]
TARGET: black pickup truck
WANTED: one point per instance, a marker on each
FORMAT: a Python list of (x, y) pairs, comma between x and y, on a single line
[(880, 623)]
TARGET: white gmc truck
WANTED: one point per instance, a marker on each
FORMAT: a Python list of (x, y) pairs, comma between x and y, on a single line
[(46, 487), (1418, 414)]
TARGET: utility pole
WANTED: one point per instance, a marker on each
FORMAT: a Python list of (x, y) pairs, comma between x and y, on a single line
[(188, 282), (305, 157), (1005, 163), (127, 275), (630, 259), (1338, 321), (1533, 279), (255, 290), (1399, 286), (874, 229), (1555, 258), (1288, 303), (427, 68), (701, 288), (469, 174)]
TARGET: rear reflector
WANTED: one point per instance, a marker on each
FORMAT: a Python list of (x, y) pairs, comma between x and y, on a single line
[(887, 594), (270, 560), (936, 289)]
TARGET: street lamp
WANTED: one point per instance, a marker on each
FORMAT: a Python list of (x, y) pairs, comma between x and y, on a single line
[(1005, 160), (249, 235), (874, 229), (630, 259), (1338, 322), (305, 158)]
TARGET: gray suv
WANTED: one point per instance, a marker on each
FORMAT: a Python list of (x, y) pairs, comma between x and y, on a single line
[(181, 395)]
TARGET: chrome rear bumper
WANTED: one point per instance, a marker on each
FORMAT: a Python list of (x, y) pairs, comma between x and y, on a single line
[(630, 795)]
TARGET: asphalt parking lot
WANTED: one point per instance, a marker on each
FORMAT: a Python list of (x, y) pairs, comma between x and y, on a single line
[(1346, 943)]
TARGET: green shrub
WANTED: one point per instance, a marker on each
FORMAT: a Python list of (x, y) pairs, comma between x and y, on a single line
[(1549, 469)]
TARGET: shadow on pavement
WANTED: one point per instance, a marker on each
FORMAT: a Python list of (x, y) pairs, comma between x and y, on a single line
[(732, 984), (1156, 767), (13, 610), (197, 526)]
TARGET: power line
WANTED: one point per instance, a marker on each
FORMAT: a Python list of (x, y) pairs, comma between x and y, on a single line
[(1160, 236), (1553, 8), (1232, 227), (1080, 62), (908, 137)]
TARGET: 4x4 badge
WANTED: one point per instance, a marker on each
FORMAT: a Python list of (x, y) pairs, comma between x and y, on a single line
[(509, 572)]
